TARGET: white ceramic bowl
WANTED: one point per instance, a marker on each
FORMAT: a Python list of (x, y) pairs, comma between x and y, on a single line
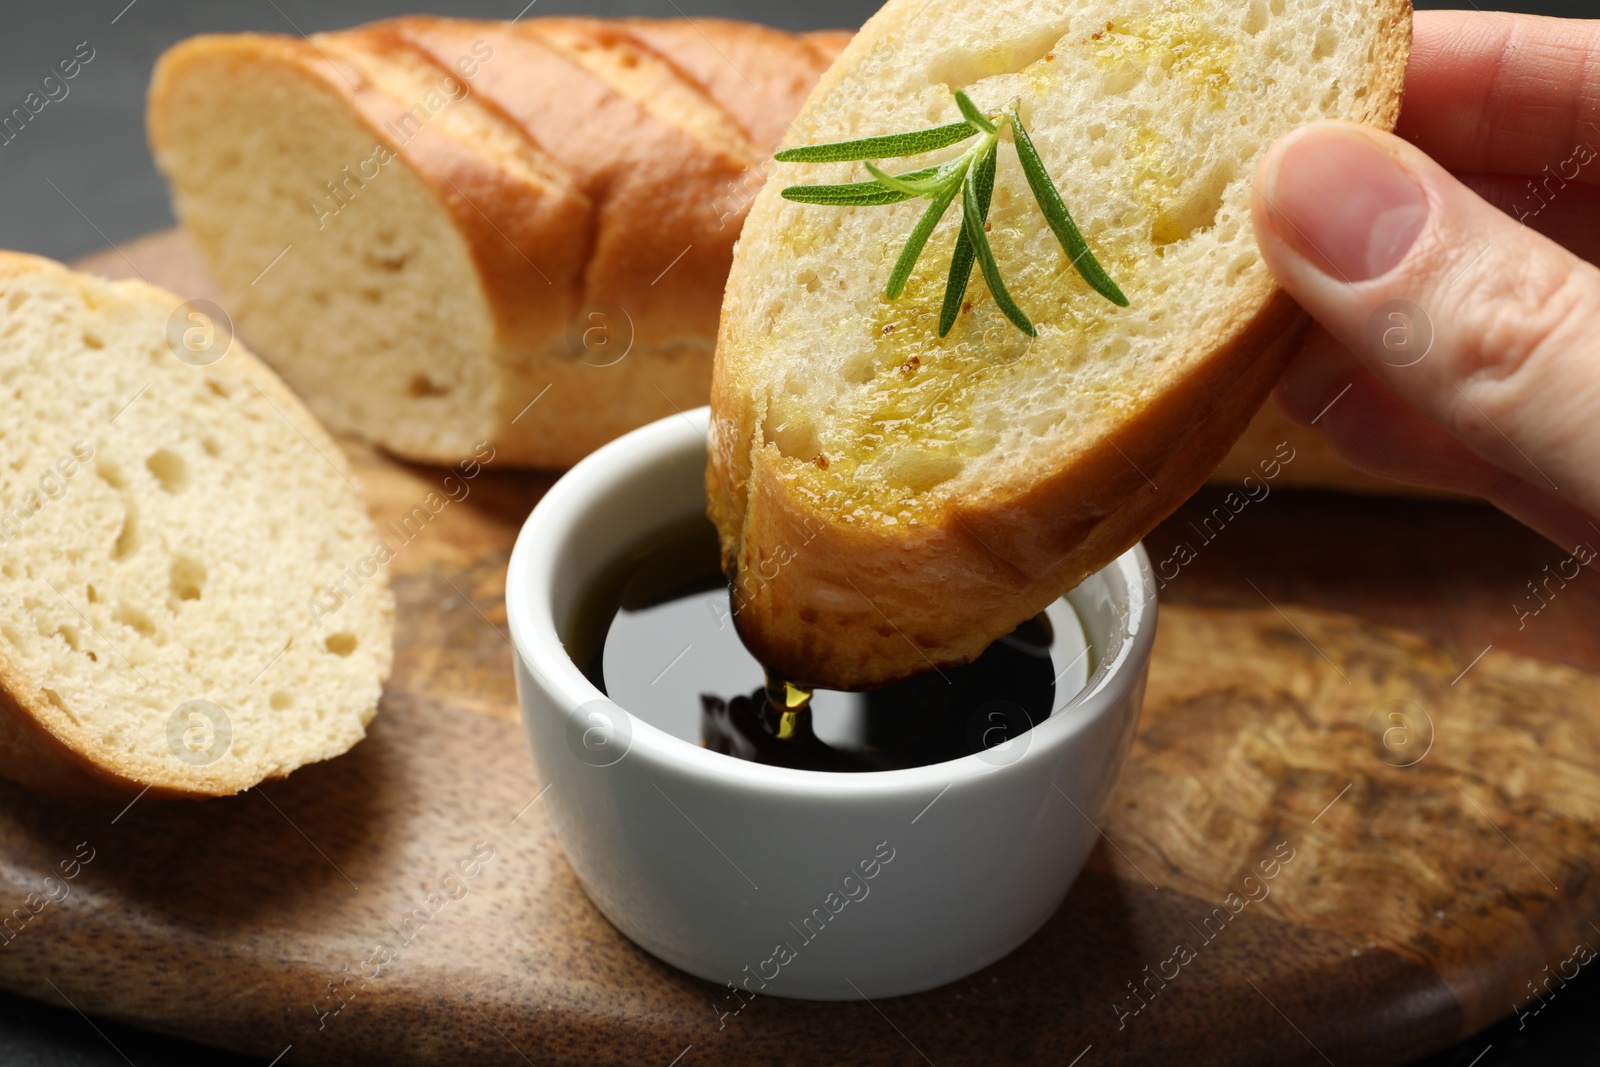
[(810, 884)]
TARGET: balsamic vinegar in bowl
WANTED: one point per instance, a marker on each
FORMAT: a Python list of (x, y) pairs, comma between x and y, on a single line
[(705, 859), (656, 635)]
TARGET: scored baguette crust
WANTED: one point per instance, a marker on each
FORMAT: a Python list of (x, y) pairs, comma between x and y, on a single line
[(46, 748), (854, 605), (758, 74), (608, 137), (540, 205), (622, 160)]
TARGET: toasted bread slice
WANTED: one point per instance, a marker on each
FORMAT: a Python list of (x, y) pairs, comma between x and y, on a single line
[(890, 500), (171, 519)]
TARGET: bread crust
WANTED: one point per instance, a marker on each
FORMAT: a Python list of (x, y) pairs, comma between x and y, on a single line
[(852, 606), (759, 75), (42, 747)]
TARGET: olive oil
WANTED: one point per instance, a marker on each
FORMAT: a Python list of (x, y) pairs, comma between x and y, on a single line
[(656, 634)]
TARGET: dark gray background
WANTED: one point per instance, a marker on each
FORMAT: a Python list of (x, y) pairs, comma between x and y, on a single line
[(80, 176)]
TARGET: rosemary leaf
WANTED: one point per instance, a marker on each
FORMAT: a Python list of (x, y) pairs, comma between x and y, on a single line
[(919, 237), (887, 146), (972, 221), (980, 172), (1055, 213), (955, 286), (973, 115), (856, 194)]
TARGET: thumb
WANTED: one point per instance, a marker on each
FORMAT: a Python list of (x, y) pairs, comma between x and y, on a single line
[(1486, 327)]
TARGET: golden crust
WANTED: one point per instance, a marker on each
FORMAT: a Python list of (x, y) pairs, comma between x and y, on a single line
[(845, 606), (759, 75), (43, 748)]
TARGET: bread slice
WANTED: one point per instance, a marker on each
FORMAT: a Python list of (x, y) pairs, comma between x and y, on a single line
[(192, 596), (429, 224), (890, 501)]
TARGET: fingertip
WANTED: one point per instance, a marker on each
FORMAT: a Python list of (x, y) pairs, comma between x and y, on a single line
[(1342, 201)]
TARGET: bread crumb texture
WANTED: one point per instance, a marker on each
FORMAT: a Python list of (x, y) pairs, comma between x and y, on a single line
[(1150, 117), (163, 528)]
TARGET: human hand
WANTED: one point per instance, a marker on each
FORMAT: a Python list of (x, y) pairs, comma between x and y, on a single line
[(1457, 342)]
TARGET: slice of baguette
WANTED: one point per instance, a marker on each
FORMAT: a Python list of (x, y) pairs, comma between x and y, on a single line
[(165, 524), (890, 501)]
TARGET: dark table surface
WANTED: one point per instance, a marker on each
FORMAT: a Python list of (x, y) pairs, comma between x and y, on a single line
[(80, 177)]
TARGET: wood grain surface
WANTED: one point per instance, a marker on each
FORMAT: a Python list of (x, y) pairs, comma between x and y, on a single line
[(1429, 871)]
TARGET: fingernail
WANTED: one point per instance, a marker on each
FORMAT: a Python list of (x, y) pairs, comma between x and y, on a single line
[(1345, 204)]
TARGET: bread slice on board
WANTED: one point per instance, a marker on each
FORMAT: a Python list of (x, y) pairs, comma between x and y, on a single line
[(444, 231), (192, 597), (890, 501)]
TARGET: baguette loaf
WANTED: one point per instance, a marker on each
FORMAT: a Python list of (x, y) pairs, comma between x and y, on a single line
[(343, 310), (428, 223), (890, 500), (164, 525)]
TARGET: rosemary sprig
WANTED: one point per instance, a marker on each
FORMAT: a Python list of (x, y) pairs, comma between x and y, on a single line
[(970, 176)]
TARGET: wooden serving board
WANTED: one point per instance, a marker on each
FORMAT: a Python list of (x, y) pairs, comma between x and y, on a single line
[(1419, 903)]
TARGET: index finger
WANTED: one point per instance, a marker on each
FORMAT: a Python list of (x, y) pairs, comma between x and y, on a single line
[(1497, 93)]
